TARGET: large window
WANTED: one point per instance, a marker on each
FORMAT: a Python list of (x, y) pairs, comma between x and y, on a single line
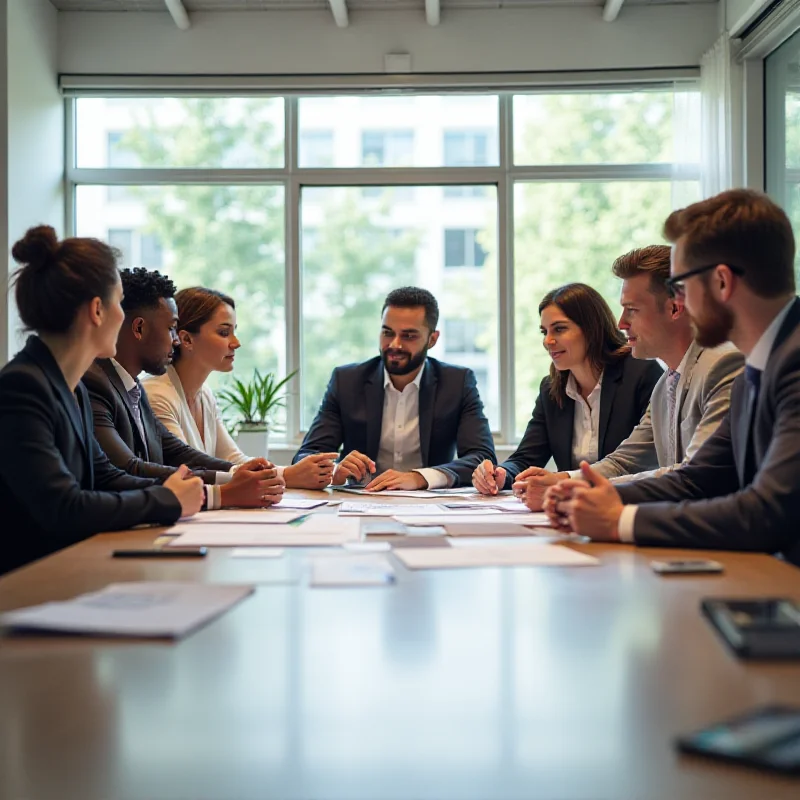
[(488, 200), (783, 130)]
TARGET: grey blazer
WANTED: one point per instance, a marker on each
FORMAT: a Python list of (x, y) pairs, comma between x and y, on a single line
[(703, 399), (738, 492)]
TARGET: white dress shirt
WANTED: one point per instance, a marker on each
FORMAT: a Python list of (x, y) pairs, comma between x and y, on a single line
[(758, 358), (585, 422), (399, 446)]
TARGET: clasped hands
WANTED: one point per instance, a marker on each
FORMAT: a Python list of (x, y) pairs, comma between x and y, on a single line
[(358, 466), (590, 506)]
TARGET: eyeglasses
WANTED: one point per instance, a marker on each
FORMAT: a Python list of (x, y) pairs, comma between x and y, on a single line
[(675, 285)]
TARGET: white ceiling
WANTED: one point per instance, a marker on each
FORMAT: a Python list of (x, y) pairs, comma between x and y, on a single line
[(271, 5)]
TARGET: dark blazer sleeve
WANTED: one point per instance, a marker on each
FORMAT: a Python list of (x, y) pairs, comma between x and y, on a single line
[(119, 453), (34, 470), (326, 431), (474, 436), (534, 450), (761, 516)]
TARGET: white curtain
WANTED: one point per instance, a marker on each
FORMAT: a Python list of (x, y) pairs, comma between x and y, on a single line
[(718, 109)]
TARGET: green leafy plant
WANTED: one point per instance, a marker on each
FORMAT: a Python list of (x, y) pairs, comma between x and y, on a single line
[(253, 402)]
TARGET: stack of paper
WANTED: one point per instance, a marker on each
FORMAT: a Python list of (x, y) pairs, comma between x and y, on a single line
[(149, 608), (298, 502), (352, 570), (483, 518), (406, 510), (326, 530), (243, 516), (550, 555)]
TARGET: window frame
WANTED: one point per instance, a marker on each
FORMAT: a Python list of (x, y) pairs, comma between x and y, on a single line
[(294, 178)]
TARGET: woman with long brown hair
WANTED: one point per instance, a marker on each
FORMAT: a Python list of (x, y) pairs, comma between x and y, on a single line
[(186, 405), (595, 394)]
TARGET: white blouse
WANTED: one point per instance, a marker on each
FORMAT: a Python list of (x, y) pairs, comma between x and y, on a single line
[(169, 404), (586, 422)]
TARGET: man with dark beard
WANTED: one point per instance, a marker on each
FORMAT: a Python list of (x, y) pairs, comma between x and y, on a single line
[(403, 420), (733, 263)]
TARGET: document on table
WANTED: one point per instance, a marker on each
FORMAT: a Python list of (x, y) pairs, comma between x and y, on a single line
[(510, 505), (317, 530), (388, 492), (242, 516), (498, 529), (488, 517), (550, 555), (148, 608), (298, 502), (352, 570), (393, 509)]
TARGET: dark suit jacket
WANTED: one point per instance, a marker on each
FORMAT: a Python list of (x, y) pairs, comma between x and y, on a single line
[(57, 486), (118, 434), (451, 418), (624, 397), (737, 501)]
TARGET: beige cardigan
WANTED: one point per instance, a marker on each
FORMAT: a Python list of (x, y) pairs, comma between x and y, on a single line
[(166, 396)]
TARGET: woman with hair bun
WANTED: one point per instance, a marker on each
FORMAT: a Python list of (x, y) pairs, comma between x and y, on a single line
[(56, 485)]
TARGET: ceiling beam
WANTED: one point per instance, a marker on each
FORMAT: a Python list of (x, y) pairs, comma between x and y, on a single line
[(339, 11), (611, 9), (178, 14), (433, 12)]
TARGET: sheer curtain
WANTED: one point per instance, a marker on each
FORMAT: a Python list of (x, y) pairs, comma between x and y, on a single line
[(718, 111)]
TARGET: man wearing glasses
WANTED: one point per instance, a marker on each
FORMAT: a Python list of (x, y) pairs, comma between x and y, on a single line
[(691, 397), (733, 264)]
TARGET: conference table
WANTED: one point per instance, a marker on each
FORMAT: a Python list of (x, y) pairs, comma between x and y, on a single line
[(523, 682)]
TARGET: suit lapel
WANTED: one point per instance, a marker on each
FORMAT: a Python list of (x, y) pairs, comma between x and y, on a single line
[(741, 427), (427, 396), (119, 388), (373, 397), (611, 378), (684, 382), (40, 353)]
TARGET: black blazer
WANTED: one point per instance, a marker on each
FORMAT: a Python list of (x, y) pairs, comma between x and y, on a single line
[(57, 486), (451, 418), (740, 500), (624, 397), (118, 434)]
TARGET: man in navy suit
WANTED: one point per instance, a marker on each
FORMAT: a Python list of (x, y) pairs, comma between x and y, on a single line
[(403, 420), (733, 263)]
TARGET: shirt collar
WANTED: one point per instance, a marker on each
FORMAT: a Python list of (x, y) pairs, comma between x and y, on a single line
[(127, 381), (759, 355), (572, 387), (387, 379), (684, 361)]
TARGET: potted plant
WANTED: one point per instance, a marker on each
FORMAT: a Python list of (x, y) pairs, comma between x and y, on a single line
[(252, 404)]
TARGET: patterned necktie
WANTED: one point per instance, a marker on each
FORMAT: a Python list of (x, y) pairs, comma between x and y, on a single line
[(673, 376), (135, 395)]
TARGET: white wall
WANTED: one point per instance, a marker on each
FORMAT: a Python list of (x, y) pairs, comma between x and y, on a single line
[(740, 13), (33, 181), (308, 42)]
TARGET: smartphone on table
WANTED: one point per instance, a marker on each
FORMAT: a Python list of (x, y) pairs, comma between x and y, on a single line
[(685, 566)]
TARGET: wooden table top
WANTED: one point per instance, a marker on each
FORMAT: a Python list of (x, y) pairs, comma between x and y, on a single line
[(477, 683)]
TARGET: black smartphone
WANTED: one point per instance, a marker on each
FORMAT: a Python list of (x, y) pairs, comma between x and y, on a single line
[(172, 552), (685, 566), (768, 738), (759, 628)]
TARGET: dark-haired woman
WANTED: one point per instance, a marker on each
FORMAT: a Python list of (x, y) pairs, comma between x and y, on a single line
[(56, 485), (187, 407), (595, 394)]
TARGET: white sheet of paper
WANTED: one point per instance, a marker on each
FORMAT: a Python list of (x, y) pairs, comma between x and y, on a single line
[(509, 505), (501, 541), (499, 529), (389, 493), (367, 547), (147, 608), (362, 509), (551, 555), (242, 516), (352, 570), (257, 552), (319, 529), (473, 518), (298, 502)]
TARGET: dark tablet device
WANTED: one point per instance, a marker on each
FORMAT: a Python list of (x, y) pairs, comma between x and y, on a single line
[(768, 738), (757, 628)]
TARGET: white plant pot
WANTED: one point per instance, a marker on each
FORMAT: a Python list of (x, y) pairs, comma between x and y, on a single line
[(253, 440)]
